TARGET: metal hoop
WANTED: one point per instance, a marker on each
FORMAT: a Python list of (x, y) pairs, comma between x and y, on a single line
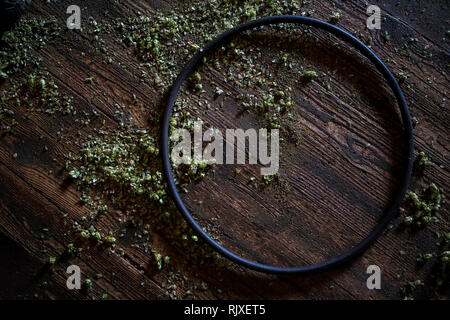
[(389, 213)]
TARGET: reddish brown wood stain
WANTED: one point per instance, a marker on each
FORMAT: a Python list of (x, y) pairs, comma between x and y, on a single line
[(340, 176)]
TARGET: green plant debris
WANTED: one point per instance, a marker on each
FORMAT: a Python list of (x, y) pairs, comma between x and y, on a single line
[(74, 173), (402, 77), (94, 235), (162, 41), (166, 260), (409, 289), (414, 284), (88, 283), (109, 239), (38, 93), (422, 161), (197, 77), (309, 74), (423, 208), (188, 26), (438, 277), (125, 168), (327, 85), (7, 120), (19, 56), (159, 260), (89, 80), (447, 237), (18, 45), (121, 166), (71, 249), (424, 257), (275, 105), (334, 17), (267, 179)]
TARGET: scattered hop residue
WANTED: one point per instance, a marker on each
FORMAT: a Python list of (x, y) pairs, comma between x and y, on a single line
[(423, 208), (334, 17), (309, 74)]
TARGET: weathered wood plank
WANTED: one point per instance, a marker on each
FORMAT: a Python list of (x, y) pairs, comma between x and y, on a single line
[(341, 175)]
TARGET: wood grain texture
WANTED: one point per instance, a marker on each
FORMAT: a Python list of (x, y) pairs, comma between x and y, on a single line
[(339, 176)]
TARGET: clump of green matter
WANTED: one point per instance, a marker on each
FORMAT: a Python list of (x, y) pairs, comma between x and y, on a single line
[(165, 41), (37, 92), (125, 169), (29, 35), (18, 57), (422, 161), (334, 17), (423, 208), (410, 287), (309, 74)]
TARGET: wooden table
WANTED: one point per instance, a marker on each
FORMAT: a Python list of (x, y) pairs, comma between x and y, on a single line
[(340, 174)]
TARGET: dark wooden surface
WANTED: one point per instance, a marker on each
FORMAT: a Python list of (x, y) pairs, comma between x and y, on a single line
[(340, 175)]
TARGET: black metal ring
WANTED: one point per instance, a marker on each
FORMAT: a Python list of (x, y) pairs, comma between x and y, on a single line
[(389, 213)]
